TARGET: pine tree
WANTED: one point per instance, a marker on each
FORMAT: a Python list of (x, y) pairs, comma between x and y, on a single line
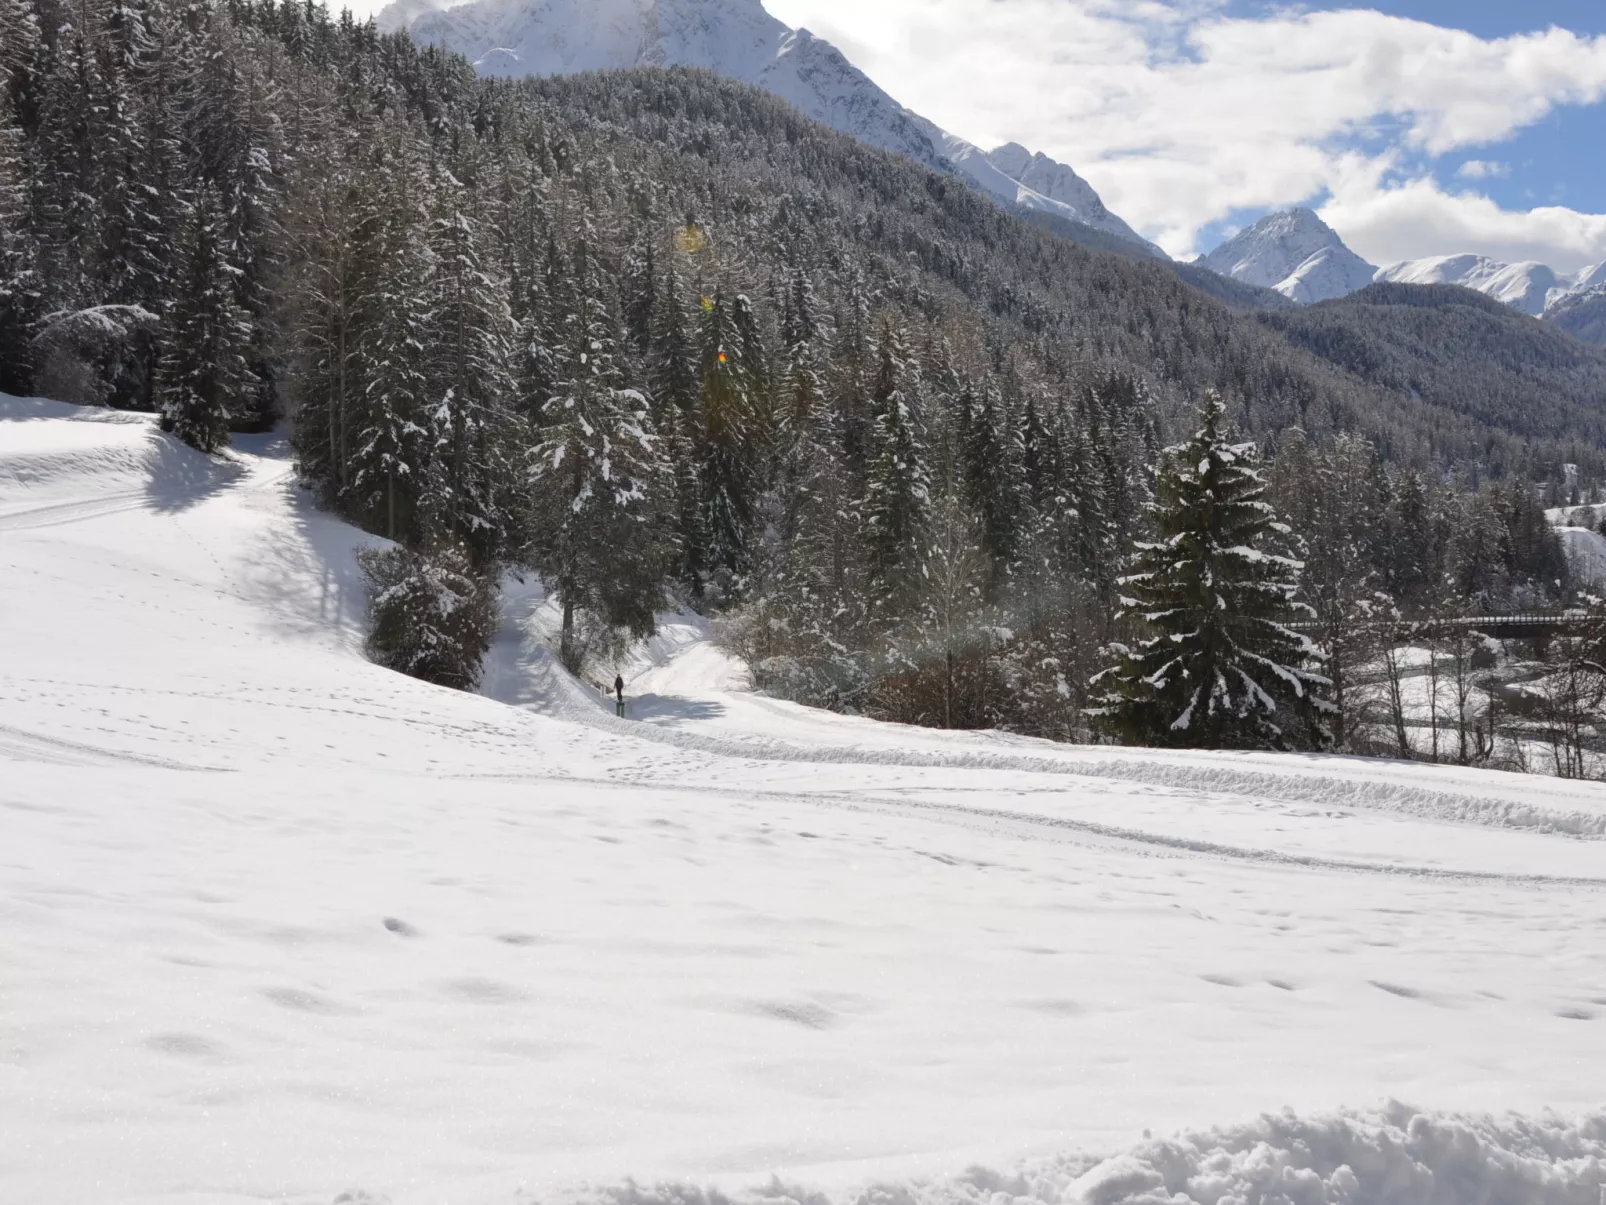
[(391, 454), (810, 607), (332, 229), (66, 201), (674, 387), (729, 409), (1218, 668), (897, 489), (598, 478), (19, 282), (204, 374), (470, 382), (673, 352), (235, 129), (991, 477)]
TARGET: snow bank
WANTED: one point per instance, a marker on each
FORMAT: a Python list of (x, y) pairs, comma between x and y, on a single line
[(1392, 1156), (1396, 1156)]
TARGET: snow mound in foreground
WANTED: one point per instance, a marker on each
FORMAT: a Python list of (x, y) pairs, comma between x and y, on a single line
[(1393, 1156)]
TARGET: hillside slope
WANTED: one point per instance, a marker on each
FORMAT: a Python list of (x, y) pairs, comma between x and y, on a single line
[(282, 925), (1456, 348), (929, 243), (1582, 315)]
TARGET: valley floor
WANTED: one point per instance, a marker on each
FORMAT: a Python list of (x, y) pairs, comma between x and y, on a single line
[(278, 925)]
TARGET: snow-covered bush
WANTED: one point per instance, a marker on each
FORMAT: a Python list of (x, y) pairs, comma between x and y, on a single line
[(432, 615)]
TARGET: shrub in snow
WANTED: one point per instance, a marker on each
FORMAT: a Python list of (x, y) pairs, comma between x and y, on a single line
[(432, 615), (1218, 667)]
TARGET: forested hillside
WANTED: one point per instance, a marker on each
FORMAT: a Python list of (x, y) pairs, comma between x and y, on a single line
[(653, 335), (1458, 349), (1582, 317)]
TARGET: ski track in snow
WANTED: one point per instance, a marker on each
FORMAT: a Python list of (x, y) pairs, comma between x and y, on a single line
[(276, 925)]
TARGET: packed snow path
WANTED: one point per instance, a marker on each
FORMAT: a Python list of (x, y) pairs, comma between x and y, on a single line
[(276, 924)]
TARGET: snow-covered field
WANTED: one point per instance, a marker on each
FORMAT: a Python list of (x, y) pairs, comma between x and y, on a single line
[(277, 925)]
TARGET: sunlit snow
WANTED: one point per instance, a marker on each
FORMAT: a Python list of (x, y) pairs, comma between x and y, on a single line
[(278, 925)]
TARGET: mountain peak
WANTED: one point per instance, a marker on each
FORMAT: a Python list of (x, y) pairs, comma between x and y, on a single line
[(1294, 252)]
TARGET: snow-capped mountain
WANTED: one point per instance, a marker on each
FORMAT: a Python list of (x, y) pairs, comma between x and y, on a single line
[(739, 39), (1040, 178), (1533, 288), (1295, 253), (1522, 286), (1581, 313)]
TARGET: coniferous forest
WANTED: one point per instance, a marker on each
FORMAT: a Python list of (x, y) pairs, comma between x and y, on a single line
[(657, 339)]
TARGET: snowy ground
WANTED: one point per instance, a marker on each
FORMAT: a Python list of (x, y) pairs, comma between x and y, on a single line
[(276, 925)]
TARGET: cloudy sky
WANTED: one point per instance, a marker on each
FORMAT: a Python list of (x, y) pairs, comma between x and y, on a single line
[(1417, 127)]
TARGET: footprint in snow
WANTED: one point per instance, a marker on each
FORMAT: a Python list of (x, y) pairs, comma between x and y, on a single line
[(400, 927), (183, 1045), (798, 1012), (300, 1001), (1057, 1008), (484, 991), (1394, 989)]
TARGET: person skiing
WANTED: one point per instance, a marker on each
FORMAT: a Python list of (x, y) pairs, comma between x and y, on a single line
[(619, 689)]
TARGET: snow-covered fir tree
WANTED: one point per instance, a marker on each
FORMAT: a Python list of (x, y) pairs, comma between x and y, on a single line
[(729, 411), (991, 476), (897, 490), (467, 358), (1216, 664), (19, 283), (598, 478), (204, 375), (392, 453)]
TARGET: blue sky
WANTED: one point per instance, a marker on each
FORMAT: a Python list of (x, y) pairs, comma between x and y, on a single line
[(1416, 127), (1562, 160), (1559, 161)]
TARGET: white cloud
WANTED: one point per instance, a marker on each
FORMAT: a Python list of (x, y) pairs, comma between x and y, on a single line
[(1418, 219), (1483, 169), (1180, 115)]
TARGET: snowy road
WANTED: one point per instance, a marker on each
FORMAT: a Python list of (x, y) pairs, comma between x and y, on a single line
[(277, 925)]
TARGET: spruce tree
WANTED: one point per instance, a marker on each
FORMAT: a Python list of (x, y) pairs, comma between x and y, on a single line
[(333, 230), (1217, 666), (19, 282), (991, 476), (672, 353), (729, 412), (391, 454), (897, 490), (598, 478), (467, 363), (204, 374)]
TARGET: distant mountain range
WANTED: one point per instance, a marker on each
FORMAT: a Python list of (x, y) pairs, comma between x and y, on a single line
[(1533, 288), (1293, 253), (1298, 255), (739, 39)]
